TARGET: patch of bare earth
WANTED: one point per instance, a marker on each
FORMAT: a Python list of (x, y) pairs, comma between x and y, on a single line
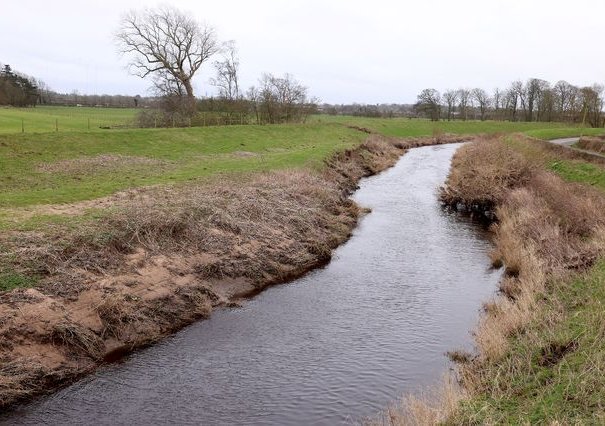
[(98, 163), (167, 257)]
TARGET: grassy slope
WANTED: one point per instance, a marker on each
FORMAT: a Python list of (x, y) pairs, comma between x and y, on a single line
[(403, 127), (570, 390), (185, 154)]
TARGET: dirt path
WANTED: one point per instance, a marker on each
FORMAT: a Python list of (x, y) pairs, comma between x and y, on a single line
[(569, 142)]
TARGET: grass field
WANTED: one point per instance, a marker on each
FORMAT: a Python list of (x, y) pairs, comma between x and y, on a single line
[(67, 119), (403, 127), (52, 167)]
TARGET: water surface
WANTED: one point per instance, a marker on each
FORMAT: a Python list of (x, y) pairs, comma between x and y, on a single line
[(330, 348)]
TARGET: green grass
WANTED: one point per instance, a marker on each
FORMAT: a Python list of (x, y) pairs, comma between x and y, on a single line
[(579, 171), (403, 127), (569, 388), (45, 119), (183, 154), (12, 280), (55, 167), (567, 132)]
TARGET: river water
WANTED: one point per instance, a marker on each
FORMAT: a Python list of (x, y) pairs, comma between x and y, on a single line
[(330, 348)]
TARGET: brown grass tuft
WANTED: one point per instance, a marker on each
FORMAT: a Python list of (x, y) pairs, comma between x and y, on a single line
[(482, 174), (78, 338), (592, 143), (431, 407)]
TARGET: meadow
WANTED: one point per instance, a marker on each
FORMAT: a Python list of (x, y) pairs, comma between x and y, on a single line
[(44, 119), (50, 167)]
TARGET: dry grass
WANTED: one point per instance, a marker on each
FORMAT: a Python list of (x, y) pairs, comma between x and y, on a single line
[(546, 228), (592, 143), (98, 163), (483, 173), (22, 379), (427, 408), (78, 339)]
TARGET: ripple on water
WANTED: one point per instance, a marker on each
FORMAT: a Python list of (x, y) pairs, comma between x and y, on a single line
[(330, 348)]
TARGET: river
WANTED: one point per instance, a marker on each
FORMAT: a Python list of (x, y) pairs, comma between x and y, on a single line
[(330, 348)]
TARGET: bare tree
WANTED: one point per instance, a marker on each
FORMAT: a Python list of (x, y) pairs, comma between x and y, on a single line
[(464, 95), (564, 94), (498, 101), (450, 97), (517, 97), (483, 101), (168, 44), (227, 73), (280, 99), (592, 105)]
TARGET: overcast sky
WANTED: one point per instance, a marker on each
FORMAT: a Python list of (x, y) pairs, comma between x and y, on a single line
[(343, 50)]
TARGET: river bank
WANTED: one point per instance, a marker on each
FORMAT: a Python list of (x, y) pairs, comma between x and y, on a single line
[(329, 348), (538, 354), (165, 257)]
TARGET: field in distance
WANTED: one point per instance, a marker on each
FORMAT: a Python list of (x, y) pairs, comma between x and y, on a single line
[(44, 119)]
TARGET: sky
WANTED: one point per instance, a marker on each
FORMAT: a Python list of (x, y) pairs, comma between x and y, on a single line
[(344, 51)]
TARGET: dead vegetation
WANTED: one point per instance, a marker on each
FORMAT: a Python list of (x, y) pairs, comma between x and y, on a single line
[(592, 143), (427, 408), (99, 163), (162, 258)]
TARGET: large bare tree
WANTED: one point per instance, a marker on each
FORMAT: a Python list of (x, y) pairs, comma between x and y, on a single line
[(167, 44)]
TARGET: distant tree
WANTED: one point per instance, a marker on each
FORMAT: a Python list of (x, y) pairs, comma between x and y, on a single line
[(564, 99), (592, 105), (280, 99), (429, 103), (464, 98), (483, 101), (498, 99), (168, 44), (516, 94), (450, 97), (17, 89), (533, 90), (227, 73)]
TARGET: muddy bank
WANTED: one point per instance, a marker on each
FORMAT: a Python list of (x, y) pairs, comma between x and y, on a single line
[(164, 258)]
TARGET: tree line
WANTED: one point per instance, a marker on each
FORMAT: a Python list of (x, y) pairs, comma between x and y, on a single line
[(532, 100), (17, 89)]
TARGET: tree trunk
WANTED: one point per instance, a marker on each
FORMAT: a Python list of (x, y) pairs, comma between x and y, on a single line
[(190, 102)]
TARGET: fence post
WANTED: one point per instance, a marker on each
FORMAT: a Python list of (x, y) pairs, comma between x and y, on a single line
[(204, 115), (22, 126), (89, 124), (56, 124)]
